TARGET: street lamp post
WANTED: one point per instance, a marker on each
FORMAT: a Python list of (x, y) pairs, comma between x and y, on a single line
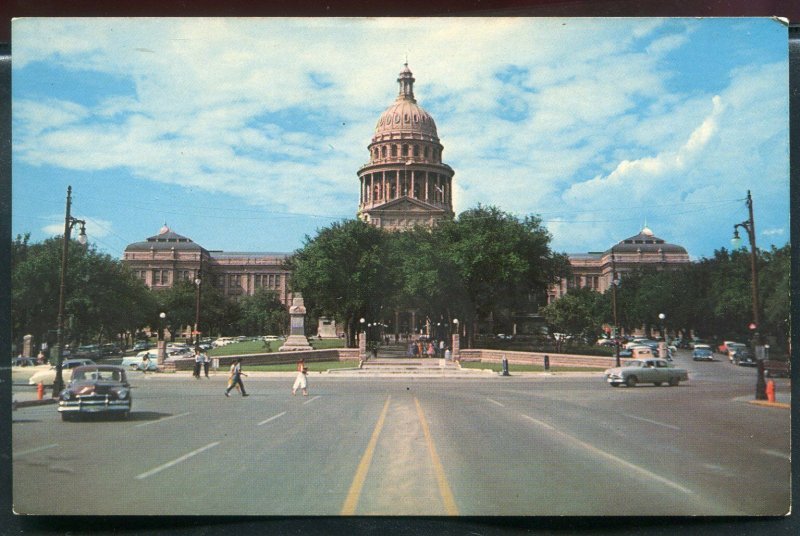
[(196, 330), (662, 316), (69, 223), (362, 340), (614, 284), (162, 347), (749, 225)]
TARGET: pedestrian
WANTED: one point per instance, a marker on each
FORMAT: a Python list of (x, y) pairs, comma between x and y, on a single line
[(447, 355), (441, 348), (301, 381), (235, 378), (145, 362), (198, 362), (21, 360), (431, 350), (40, 358), (206, 361)]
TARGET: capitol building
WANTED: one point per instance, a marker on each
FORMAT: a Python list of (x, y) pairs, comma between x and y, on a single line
[(404, 184)]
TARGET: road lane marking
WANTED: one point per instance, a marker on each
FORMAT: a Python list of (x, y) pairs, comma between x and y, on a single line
[(31, 451), (537, 421), (164, 419), (496, 402), (272, 418), (185, 457), (444, 488), (353, 495), (311, 400), (776, 453), (615, 459), (665, 425)]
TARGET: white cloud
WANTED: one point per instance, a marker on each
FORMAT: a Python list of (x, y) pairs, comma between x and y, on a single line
[(232, 106)]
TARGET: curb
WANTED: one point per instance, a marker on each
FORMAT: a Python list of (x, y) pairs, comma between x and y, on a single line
[(767, 404), (29, 403)]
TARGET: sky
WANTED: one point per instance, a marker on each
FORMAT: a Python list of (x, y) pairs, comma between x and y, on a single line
[(247, 134)]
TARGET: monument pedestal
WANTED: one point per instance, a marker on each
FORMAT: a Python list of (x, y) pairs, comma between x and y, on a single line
[(296, 342)]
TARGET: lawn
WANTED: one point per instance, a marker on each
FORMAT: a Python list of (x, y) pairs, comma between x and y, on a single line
[(260, 347), (498, 367), (312, 367)]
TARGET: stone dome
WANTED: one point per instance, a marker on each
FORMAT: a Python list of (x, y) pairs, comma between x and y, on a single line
[(405, 116)]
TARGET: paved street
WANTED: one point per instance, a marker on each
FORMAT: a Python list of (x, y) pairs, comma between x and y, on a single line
[(522, 445)]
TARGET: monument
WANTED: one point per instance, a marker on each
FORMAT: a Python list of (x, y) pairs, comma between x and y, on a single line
[(297, 327)]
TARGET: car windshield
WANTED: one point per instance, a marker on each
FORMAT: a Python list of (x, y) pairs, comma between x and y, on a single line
[(702, 351), (96, 374), (633, 363)]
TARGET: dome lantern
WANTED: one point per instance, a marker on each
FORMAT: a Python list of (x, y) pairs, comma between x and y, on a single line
[(406, 81)]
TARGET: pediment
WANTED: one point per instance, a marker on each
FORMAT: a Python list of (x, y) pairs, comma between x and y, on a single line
[(406, 204)]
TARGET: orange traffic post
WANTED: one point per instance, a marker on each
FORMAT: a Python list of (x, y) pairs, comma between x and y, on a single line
[(40, 391), (771, 391)]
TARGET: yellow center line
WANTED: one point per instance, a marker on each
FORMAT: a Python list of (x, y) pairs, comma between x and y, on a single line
[(353, 495), (444, 489)]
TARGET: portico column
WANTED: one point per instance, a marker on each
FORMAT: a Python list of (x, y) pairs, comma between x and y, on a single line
[(397, 181), (427, 180)]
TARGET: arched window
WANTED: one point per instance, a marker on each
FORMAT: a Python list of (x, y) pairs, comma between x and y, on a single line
[(394, 150), (383, 151), (426, 151), (416, 150), (405, 150)]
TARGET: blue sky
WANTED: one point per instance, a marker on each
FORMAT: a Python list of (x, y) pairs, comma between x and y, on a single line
[(246, 134)]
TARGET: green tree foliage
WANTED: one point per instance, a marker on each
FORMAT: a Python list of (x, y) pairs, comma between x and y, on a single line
[(263, 314), (218, 315), (581, 312), (102, 297), (346, 271)]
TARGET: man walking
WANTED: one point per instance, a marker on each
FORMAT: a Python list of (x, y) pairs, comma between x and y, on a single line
[(198, 362), (236, 378)]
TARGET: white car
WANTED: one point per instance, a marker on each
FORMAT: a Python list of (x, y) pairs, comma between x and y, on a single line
[(47, 377), (135, 362)]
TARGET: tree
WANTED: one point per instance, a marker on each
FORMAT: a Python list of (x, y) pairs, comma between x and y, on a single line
[(346, 271), (504, 263), (263, 313), (580, 312), (102, 299)]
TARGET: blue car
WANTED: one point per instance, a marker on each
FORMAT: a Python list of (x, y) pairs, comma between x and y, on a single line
[(702, 354)]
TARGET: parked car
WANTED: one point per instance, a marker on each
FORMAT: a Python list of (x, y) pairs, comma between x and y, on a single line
[(702, 354), (774, 367), (268, 338), (96, 389), (47, 377), (223, 341), (732, 348), (605, 342), (743, 357), (655, 371), (135, 362), (88, 351), (141, 345)]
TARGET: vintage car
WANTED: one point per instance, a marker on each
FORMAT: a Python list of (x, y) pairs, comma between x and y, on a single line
[(775, 367), (96, 389), (743, 357), (702, 352), (135, 362), (655, 371), (48, 375)]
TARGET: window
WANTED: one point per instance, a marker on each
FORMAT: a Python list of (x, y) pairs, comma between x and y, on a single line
[(405, 150), (416, 150), (383, 151), (426, 151), (160, 277), (234, 280), (394, 150)]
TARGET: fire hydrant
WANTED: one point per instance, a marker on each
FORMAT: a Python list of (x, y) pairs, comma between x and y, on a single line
[(771, 391), (40, 391)]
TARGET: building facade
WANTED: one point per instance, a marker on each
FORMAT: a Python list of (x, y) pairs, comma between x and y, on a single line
[(162, 260), (597, 270), (405, 183)]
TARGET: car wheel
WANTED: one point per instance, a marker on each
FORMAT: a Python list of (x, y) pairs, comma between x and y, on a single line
[(125, 415), (657, 384), (66, 417), (673, 382), (614, 385), (133, 366), (631, 381)]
